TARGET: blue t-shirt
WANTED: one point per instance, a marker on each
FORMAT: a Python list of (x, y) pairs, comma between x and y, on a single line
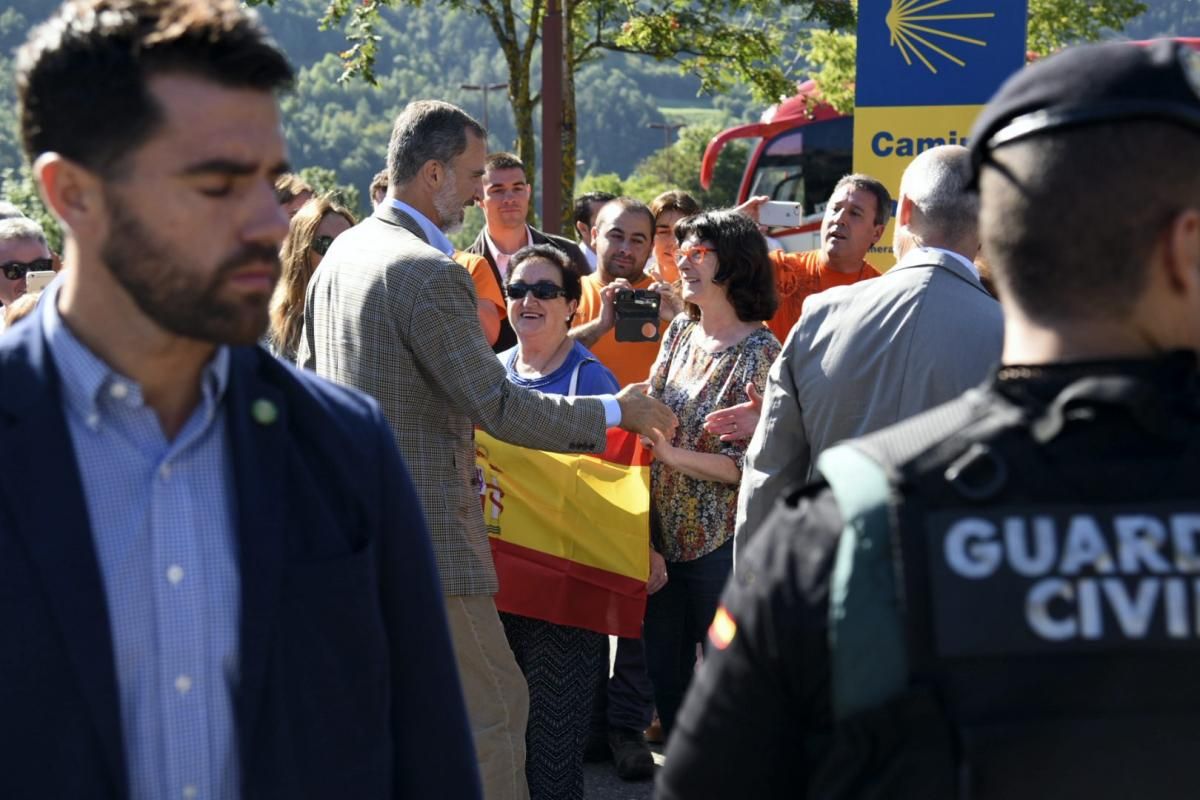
[(594, 377)]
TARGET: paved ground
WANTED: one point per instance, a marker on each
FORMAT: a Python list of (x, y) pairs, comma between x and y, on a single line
[(600, 782)]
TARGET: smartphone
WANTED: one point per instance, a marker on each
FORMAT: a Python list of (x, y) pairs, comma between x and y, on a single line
[(780, 215), (36, 281), (637, 315)]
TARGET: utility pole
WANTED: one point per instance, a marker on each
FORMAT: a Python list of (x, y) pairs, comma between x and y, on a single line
[(485, 88), (552, 103), (667, 128)]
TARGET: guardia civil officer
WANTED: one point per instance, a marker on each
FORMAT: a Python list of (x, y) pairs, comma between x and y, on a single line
[(1001, 598)]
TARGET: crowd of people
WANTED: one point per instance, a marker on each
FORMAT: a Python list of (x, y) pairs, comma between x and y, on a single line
[(262, 568)]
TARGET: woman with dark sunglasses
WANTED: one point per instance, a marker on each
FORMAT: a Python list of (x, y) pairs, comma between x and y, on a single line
[(707, 357), (562, 664), (310, 233)]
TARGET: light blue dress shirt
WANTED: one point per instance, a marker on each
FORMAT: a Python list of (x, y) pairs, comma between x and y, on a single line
[(162, 520)]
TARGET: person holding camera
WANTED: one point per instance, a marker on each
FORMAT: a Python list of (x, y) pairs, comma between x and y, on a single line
[(623, 237), (708, 356)]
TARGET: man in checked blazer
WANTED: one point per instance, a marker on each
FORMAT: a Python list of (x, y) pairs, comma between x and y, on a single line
[(868, 355), (390, 313)]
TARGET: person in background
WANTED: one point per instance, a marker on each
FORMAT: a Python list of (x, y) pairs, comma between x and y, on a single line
[(23, 249), (292, 192), (855, 216), (505, 205), (377, 191), (20, 309), (311, 232), (562, 664), (708, 355), (587, 206), (668, 208), (9, 210)]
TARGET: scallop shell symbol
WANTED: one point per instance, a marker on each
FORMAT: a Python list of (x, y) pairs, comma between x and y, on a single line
[(910, 25)]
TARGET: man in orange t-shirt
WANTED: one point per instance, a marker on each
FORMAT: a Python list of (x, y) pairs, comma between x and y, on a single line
[(491, 301), (855, 216), (623, 238)]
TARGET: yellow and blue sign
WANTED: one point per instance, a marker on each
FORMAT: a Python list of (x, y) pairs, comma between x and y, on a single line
[(925, 70)]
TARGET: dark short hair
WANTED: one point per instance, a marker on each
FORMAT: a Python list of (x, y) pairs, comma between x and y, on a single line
[(498, 161), (583, 205), (379, 182), (883, 198), (82, 76), (674, 200), (743, 266), (289, 186), (428, 130), (548, 252), (1067, 239), (629, 204)]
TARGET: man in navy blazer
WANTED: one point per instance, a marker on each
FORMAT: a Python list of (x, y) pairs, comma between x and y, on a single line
[(215, 575)]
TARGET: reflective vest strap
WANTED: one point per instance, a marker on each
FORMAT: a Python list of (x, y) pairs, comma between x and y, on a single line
[(868, 656)]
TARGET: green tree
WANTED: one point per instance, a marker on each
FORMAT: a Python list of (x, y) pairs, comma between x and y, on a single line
[(720, 41), (1053, 24), (17, 186)]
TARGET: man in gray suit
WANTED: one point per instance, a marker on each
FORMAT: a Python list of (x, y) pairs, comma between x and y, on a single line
[(862, 357), (390, 313)]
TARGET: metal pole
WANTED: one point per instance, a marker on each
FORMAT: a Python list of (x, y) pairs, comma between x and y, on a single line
[(552, 97), (667, 128), (485, 88)]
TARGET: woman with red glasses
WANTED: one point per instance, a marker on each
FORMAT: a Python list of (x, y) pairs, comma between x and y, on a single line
[(310, 233), (708, 356), (562, 664)]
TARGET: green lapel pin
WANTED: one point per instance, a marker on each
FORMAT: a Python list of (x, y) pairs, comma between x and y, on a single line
[(264, 412)]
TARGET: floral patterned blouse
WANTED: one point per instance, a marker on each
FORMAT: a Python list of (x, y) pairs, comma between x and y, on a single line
[(692, 517)]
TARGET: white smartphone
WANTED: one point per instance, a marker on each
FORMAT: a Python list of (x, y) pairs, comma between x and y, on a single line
[(779, 215), (36, 281)]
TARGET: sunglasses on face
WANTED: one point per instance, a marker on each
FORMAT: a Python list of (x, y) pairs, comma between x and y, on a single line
[(321, 244), (542, 290), (15, 270), (693, 254)]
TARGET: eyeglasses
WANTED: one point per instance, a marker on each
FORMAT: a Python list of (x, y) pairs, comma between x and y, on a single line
[(15, 270), (693, 254), (542, 290), (321, 244)]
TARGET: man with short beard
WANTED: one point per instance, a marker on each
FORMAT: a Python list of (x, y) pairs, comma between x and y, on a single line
[(390, 312), (213, 568)]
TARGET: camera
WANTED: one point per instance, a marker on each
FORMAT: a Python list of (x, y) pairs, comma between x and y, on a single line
[(637, 315)]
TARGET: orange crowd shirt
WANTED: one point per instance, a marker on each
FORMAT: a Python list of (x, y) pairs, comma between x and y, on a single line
[(629, 361), (484, 279), (798, 275)]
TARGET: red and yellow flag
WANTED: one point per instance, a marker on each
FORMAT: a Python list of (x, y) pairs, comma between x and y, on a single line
[(570, 533)]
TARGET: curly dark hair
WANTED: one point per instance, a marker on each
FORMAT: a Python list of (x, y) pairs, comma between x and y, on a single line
[(548, 252), (743, 266)]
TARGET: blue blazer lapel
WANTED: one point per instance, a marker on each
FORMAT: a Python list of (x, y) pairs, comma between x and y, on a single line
[(49, 515), (257, 421)]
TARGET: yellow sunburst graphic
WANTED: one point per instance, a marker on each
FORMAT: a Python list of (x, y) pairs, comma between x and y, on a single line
[(907, 22)]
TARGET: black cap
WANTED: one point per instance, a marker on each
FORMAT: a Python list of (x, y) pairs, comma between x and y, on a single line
[(1091, 85)]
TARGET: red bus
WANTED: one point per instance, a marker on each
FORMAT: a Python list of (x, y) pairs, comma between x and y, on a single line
[(804, 146)]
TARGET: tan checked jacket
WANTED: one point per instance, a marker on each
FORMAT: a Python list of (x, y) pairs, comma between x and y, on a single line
[(390, 315)]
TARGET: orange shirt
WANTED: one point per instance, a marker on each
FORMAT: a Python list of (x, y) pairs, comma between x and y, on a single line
[(481, 274), (797, 275), (629, 361)]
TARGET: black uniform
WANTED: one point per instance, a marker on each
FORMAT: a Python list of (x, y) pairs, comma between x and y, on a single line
[(1048, 573)]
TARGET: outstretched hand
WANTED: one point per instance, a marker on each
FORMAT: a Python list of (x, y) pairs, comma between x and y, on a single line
[(642, 414), (736, 423)]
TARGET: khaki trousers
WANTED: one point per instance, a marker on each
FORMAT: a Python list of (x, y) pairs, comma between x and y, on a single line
[(496, 694)]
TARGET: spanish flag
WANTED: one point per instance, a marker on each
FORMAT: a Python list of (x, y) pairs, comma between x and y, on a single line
[(570, 533)]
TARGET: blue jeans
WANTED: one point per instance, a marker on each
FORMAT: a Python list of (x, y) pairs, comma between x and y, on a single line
[(677, 617)]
